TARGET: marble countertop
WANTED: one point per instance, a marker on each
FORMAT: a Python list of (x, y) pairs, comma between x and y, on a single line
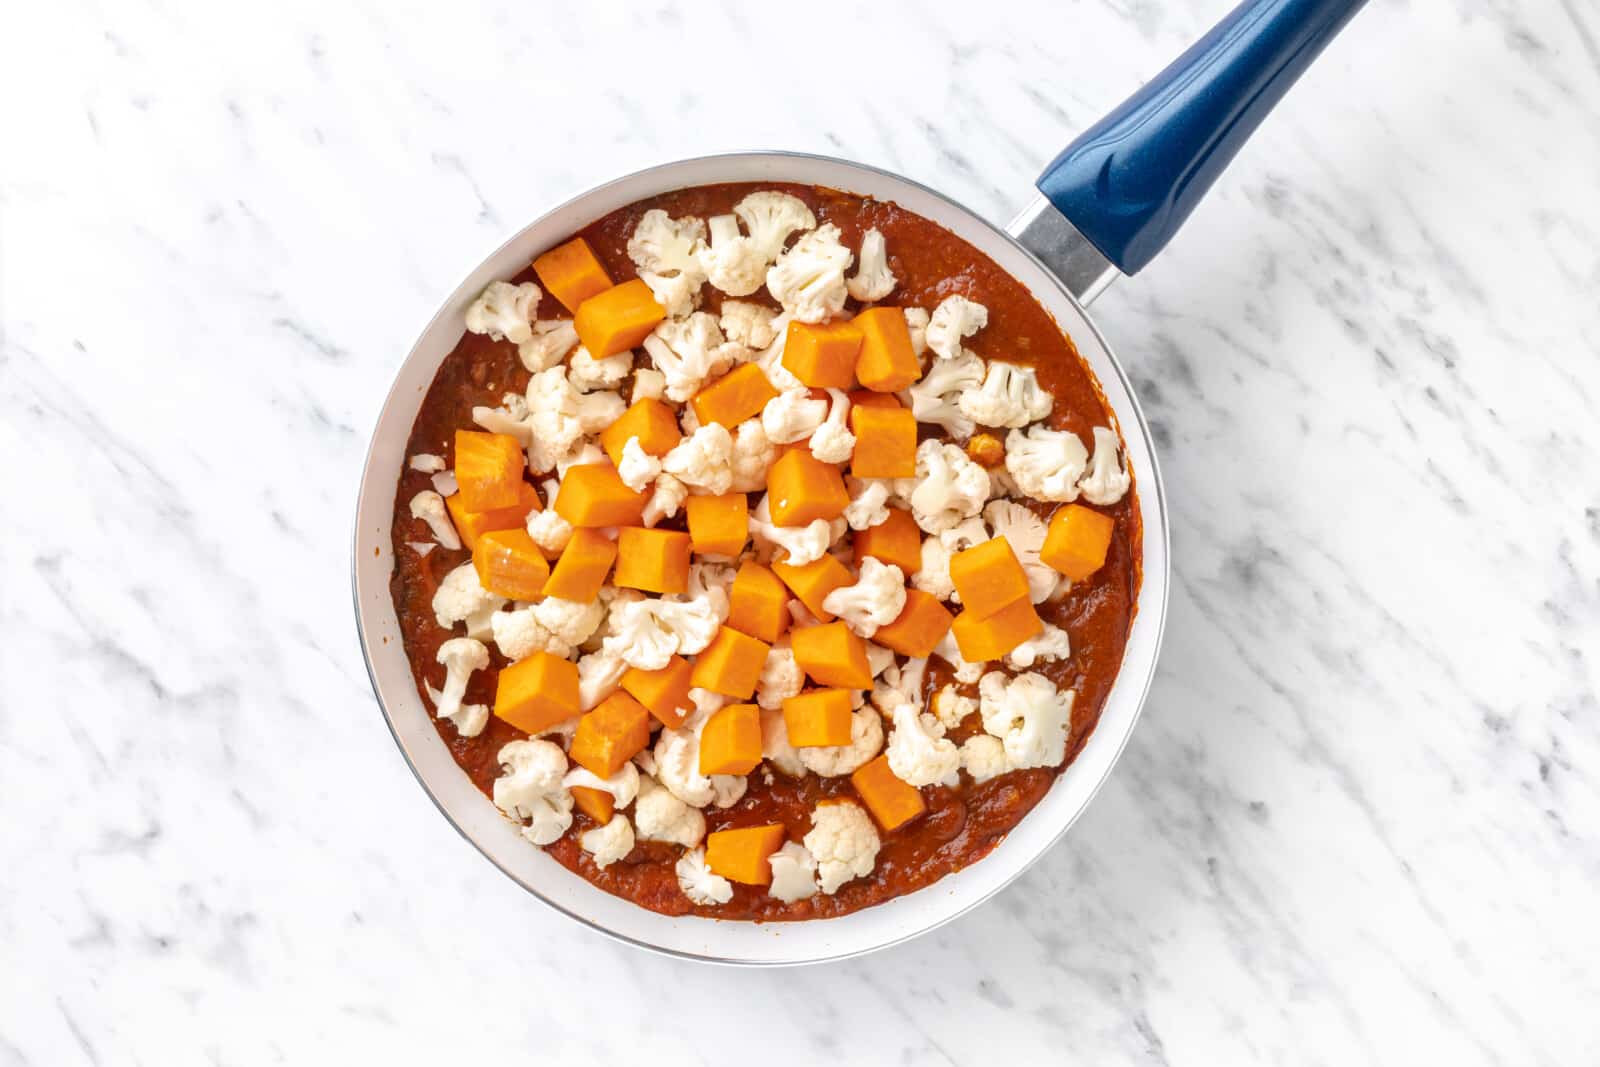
[(1355, 824)]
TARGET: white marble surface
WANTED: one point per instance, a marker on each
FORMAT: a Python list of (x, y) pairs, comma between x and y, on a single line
[(1358, 823)]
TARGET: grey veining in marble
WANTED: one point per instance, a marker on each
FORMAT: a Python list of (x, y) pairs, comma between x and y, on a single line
[(1359, 821)]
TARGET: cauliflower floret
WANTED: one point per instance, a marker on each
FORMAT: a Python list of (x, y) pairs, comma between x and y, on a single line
[(648, 633), (623, 786), (703, 460), (588, 454), (984, 757), (775, 746), (1046, 464), (771, 217), (781, 676), (770, 359), (937, 397), (426, 462), (461, 598), (948, 487), (844, 842), (933, 577), (588, 374), (918, 752), (1107, 480), (668, 246), (552, 339), (569, 621), (900, 684), (665, 501), (733, 263), (804, 544), (505, 312), (808, 280), (869, 499), (468, 719), (510, 418), (873, 280), (966, 673), (519, 634), (648, 384), (609, 842), (660, 816), (429, 507), (951, 708), (955, 319), (1029, 715), (559, 416), (638, 467), (1010, 396), (689, 351), (879, 659), (794, 873), (1025, 533), (793, 415), (917, 323), (747, 324), (677, 754), (549, 530), (678, 295), (833, 442), (875, 599), (753, 453), (460, 657), (866, 739), (1049, 643), (599, 674), (699, 883), (531, 789)]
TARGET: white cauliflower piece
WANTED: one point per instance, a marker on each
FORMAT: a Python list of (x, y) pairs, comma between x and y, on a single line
[(753, 453), (510, 418), (951, 708), (793, 415), (469, 719), (955, 319), (1107, 479), (781, 677), (734, 263), (984, 757), (599, 674), (1009, 396), (948, 487), (808, 279), (703, 460), (638, 467), (900, 684), (918, 752), (1025, 533), (678, 294), (1046, 464), (660, 816), (460, 656), (747, 324), (551, 341), (876, 598), (588, 374), (965, 672), (427, 463), (917, 323), (648, 384), (1029, 716), (933, 577), (664, 245), (833, 442), (519, 634), (461, 597), (804, 544), (794, 873), (530, 788), (879, 659), (844, 842), (608, 843), (587, 454), (665, 501), (936, 398), (549, 530), (873, 280), (689, 351), (429, 507), (698, 882), (775, 746), (770, 359), (648, 633), (505, 312), (559, 417), (869, 502), (623, 786), (771, 217), (711, 582), (866, 740), (569, 621), (421, 548), (677, 754), (1049, 643)]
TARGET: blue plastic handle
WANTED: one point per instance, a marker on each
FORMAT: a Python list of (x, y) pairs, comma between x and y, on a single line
[(1130, 181)]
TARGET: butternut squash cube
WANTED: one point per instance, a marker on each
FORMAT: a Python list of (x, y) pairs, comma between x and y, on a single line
[(719, 525), (731, 664), (488, 470), (537, 693), (886, 442), (823, 356), (868, 399), (472, 525), (730, 741), (734, 397), (509, 564), (919, 626), (611, 735), (617, 319), (832, 655), (572, 273), (664, 692), (988, 577), (895, 540), (741, 854), (886, 362), (651, 421), (598, 804), (1077, 541), (581, 571), (812, 582), (891, 801), (818, 718), (758, 602), (656, 561), (802, 489), (593, 495), (992, 636)]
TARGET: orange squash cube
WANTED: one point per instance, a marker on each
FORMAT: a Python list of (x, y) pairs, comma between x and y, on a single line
[(472, 525), (740, 854), (895, 540), (734, 397), (719, 525), (664, 692), (891, 801), (651, 421), (832, 655), (617, 319), (823, 356), (572, 273), (818, 718), (731, 665), (537, 693), (802, 489), (988, 577), (488, 470), (656, 561), (919, 626), (592, 494), (886, 362), (868, 399), (730, 741), (812, 582), (992, 636), (611, 735), (581, 571), (509, 564), (758, 602), (1077, 541), (886, 442), (598, 804)]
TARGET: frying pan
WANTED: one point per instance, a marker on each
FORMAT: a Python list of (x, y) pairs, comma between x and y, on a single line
[(1106, 205)]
